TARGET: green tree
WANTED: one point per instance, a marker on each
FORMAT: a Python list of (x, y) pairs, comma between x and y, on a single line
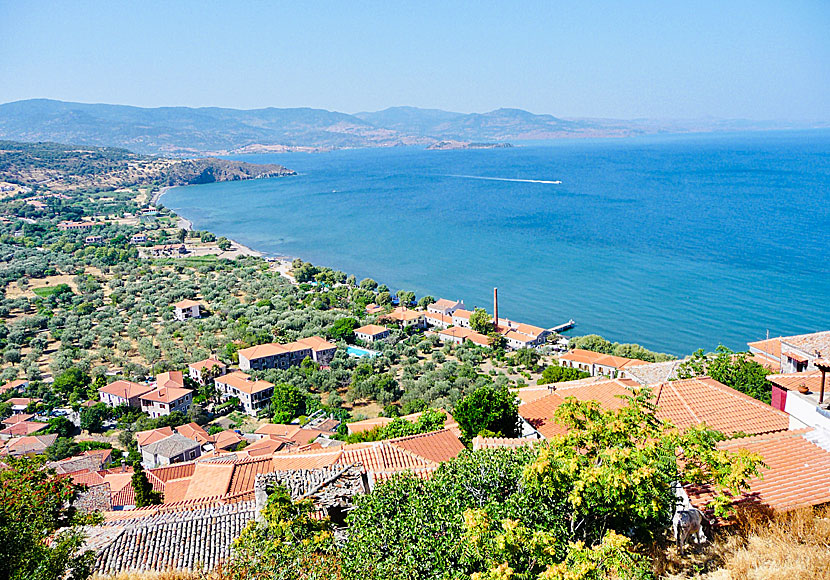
[(426, 301), (406, 298), (144, 494), (287, 402), (34, 505), (92, 418), (223, 243), (736, 370), (73, 380), (488, 408), (290, 544), (62, 448), (527, 357), (481, 321), (343, 329), (368, 284), (559, 374), (62, 426)]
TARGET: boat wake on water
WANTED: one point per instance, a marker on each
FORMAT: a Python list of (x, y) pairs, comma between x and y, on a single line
[(549, 182)]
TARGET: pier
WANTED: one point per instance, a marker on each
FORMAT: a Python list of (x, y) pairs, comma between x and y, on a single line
[(563, 327)]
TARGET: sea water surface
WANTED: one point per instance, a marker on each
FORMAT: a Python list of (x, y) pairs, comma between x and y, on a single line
[(674, 242)]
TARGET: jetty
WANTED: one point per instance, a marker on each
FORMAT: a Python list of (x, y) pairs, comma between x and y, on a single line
[(563, 327)]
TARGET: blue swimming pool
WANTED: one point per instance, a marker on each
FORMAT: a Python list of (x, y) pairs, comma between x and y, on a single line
[(360, 352)]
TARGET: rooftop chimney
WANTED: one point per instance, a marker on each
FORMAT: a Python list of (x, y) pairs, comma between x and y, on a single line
[(496, 307)]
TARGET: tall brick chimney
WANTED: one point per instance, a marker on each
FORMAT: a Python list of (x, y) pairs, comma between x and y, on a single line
[(496, 307)]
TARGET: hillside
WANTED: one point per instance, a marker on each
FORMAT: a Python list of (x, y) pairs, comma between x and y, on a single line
[(66, 167), (188, 132)]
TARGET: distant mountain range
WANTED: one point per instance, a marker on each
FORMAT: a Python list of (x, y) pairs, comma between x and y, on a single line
[(185, 131)]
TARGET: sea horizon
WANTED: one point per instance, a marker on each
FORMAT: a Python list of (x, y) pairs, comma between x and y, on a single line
[(676, 242)]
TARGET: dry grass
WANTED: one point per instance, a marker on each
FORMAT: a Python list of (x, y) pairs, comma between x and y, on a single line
[(758, 547)]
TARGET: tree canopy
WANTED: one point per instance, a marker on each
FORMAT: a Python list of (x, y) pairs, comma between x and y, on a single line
[(489, 409), (736, 370)]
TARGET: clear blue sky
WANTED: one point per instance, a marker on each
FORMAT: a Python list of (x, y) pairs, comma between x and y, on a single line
[(663, 59)]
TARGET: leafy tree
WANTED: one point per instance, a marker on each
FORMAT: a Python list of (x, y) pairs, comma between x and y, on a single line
[(62, 448), (426, 301), (559, 374), (62, 426), (488, 408), (92, 418), (481, 321), (144, 494), (368, 284), (223, 243), (287, 402), (34, 505), (406, 298), (289, 545), (73, 380), (527, 357), (736, 370), (343, 329)]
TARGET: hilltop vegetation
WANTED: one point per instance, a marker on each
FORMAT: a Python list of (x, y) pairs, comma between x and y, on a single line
[(69, 168)]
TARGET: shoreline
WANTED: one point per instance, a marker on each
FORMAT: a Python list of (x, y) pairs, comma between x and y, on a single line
[(239, 249)]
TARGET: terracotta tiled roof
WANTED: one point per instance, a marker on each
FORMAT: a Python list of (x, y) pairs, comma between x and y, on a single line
[(317, 344), (194, 431), (438, 317), (87, 478), (368, 424), (437, 446), (791, 381), (125, 389), (371, 329), (277, 429), (226, 439), (209, 480), (170, 379), (166, 394), (797, 474), (244, 382), (263, 350), (771, 346), (518, 336), (705, 400), (152, 435), (774, 366), (171, 446), (187, 304), (461, 313), (590, 357), (244, 473), (29, 444), (207, 363), (403, 314), (13, 385), (443, 304), (17, 418), (23, 428), (683, 403), (266, 446), (22, 401)]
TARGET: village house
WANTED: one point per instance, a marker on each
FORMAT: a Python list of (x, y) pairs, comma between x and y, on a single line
[(20, 404), (405, 317), (164, 400), (792, 354), (461, 317), (445, 307), (186, 309), (254, 395), (123, 393), (438, 320), (373, 308), (459, 334), (804, 396), (371, 333), (599, 364), (281, 356), (14, 386), (138, 238), (69, 225), (90, 240), (197, 369), (172, 449), (28, 445)]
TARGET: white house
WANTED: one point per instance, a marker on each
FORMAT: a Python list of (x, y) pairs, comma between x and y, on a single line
[(254, 395), (164, 400), (123, 393), (371, 332), (186, 309), (446, 307), (196, 369)]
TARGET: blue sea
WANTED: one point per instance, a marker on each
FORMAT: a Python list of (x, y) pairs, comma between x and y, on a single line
[(674, 242)]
